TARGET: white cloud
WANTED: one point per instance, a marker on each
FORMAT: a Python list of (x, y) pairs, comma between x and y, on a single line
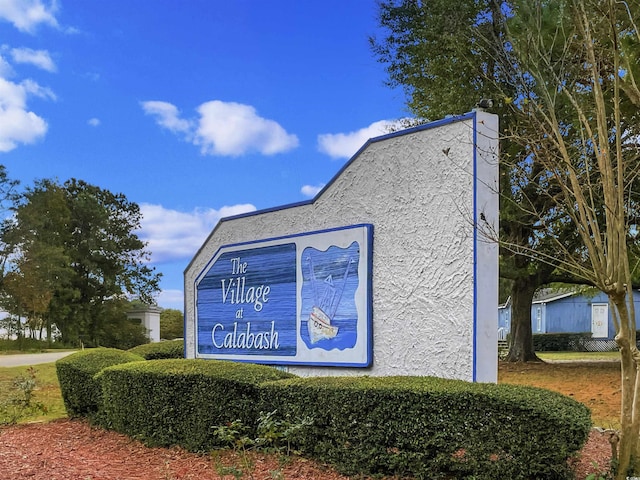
[(176, 235), (167, 116), (94, 122), (33, 88), (224, 128), (345, 145), (234, 129), (39, 58), (17, 124), (6, 70), (27, 15), (310, 190), (171, 299)]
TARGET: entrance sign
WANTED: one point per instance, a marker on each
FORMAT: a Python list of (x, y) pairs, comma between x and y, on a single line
[(300, 285), (302, 299)]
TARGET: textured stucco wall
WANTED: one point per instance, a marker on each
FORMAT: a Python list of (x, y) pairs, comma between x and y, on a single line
[(433, 277)]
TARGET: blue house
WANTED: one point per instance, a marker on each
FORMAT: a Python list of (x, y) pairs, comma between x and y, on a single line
[(568, 311)]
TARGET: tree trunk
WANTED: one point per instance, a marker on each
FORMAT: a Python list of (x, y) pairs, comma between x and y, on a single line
[(47, 321), (521, 340), (625, 338)]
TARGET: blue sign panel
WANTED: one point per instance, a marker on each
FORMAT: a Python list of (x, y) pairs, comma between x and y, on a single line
[(238, 313), (303, 299)]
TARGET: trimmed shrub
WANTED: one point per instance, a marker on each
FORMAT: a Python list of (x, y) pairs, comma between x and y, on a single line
[(560, 342), (80, 392), (433, 428), (160, 350), (178, 402)]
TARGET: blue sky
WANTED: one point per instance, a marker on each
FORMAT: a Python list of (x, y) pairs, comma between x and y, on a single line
[(193, 109)]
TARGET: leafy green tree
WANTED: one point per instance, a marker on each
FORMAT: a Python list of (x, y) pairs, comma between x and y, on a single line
[(119, 331), (8, 195), (578, 86), (447, 56), (76, 243), (39, 262), (565, 77), (438, 52), (171, 324)]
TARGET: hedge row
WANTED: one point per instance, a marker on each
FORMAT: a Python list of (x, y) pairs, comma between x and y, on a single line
[(560, 342), (434, 428), (178, 402), (81, 392), (423, 427), (160, 350)]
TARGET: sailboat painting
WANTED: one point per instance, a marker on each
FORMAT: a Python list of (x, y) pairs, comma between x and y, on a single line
[(329, 317)]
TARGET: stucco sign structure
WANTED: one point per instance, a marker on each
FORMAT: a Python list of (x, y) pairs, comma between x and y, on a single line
[(302, 299), (421, 206)]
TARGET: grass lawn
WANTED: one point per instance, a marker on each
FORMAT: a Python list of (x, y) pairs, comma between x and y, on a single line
[(579, 356), (47, 390), (590, 378)]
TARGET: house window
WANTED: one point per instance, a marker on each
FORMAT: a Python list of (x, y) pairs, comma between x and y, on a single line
[(539, 319)]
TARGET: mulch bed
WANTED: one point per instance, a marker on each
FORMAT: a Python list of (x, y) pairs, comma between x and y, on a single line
[(74, 450)]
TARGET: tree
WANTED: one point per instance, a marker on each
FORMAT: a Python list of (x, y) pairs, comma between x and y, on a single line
[(576, 67), (436, 51), (76, 245), (171, 324), (565, 77), (120, 331), (38, 261), (447, 56), (8, 195)]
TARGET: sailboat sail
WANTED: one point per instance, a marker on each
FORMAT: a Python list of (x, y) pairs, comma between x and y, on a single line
[(326, 301)]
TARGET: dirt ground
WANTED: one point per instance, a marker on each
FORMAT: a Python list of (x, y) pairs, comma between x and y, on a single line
[(72, 450), (596, 384)]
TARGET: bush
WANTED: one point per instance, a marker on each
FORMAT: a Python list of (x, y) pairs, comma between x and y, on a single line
[(171, 324), (433, 428), (560, 342), (179, 402), (23, 344), (80, 391), (20, 403), (160, 350)]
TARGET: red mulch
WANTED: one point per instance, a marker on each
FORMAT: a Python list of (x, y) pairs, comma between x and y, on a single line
[(73, 450)]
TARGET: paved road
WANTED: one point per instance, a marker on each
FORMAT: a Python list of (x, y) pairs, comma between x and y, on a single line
[(31, 358)]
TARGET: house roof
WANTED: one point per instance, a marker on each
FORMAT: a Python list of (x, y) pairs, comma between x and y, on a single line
[(547, 295)]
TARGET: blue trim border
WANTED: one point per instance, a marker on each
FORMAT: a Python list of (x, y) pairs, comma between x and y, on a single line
[(474, 359)]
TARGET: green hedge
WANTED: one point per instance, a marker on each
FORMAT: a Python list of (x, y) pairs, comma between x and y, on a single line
[(160, 350), (80, 392), (433, 428), (416, 426), (560, 342), (178, 402)]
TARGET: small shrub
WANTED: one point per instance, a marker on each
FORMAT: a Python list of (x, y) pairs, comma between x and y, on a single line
[(178, 401), (560, 342), (160, 350), (20, 402), (80, 391), (273, 436)]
